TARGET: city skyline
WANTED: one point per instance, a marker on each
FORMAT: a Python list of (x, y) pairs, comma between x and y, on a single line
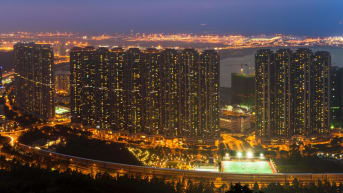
[(174, 96), (304, 17), (163, 107)]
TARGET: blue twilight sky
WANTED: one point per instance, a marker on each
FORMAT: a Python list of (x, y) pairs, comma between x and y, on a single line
[(247, 17)]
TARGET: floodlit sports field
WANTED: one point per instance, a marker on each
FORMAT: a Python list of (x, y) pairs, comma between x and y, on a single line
[(61, 110), (247, 167)]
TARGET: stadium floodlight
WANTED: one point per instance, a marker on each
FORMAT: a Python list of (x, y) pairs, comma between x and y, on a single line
[(239, 154), (249, 155), (227, 155)]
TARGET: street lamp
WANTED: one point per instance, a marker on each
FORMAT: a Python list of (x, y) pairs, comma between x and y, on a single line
[(250, 155), (227, 155)]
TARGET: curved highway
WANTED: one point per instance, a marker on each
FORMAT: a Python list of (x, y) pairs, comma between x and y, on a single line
[(90, 166)]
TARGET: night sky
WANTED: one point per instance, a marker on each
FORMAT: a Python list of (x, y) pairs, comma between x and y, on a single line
[(247, 17)]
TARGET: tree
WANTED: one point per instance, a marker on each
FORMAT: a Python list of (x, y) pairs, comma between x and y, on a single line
[(295, 152), (259, 148), (221, 149), (179, 187), (283, 154), (238, 188), (222, 187), (256, 187), (336, 141), (340, 187)]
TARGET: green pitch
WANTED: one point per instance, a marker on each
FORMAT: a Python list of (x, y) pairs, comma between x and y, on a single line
[(61, 110), (247, 167)]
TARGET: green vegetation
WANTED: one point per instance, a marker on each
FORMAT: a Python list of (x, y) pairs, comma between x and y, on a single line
[(4, 140), (26, 174), (32, 159), (24, 120), (98, 150), (308, 165), (238, 188), (80, 143), (18, 178), (77, 142), (297, 187), (50, 133)]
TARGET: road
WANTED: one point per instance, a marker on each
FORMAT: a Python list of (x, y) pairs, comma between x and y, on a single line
[(13, 135)]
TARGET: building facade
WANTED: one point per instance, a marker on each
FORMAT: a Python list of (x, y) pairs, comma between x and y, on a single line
[(62, 82), (263, 64), (243, 88), (167, 92), (34, 79), (1, 84), (336, 97), (292, 93)]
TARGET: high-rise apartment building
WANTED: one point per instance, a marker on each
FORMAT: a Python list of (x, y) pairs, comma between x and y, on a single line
[(169, 92), (134, 88), (263, 64), (280, 89), (1, 85), (292, 93), (89, 86), (321, 90), (153, 90), (170, 85), (209, 84), (34, 79), (190, 92), (336, 78), (117, 90)]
